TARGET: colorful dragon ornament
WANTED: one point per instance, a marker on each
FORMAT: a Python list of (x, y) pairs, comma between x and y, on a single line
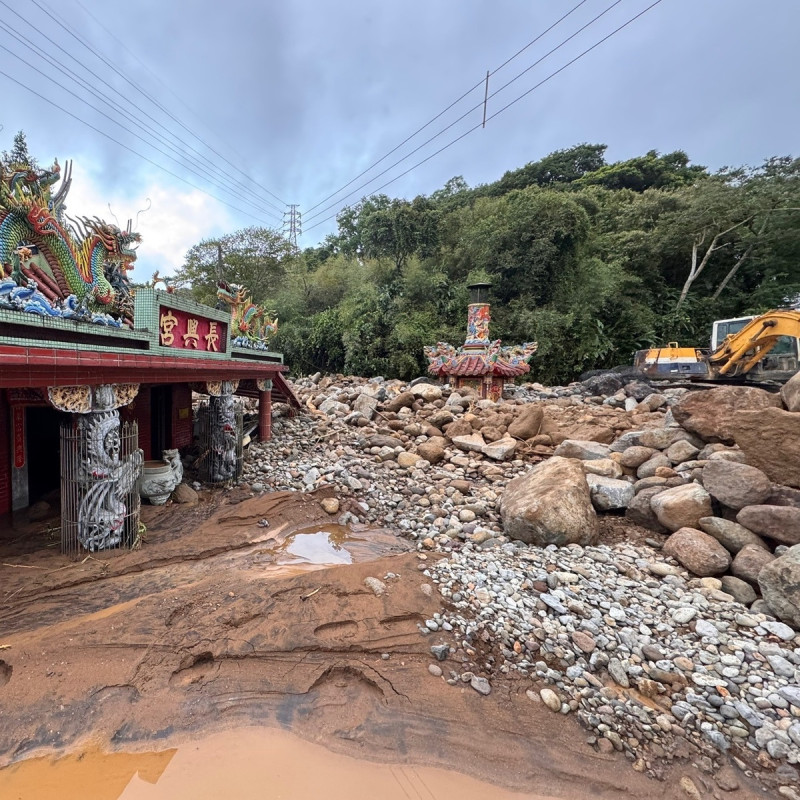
[(74, 268), (251, 325)]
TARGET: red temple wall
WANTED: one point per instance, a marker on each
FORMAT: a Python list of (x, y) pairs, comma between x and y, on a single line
[(181, 415), (5, 455)]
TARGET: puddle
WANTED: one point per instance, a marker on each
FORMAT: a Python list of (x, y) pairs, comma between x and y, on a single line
[(247, 764), (325, 546)]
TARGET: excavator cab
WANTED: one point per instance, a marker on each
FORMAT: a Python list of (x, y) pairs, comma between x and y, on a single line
[(783, 357)]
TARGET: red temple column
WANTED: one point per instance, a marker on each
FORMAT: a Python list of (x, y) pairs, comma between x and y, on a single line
[(265, 415)]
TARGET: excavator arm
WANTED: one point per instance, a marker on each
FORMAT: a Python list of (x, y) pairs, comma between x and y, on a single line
[(742, 350)]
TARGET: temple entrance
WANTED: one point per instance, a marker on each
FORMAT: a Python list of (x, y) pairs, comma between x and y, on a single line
[(42, 440), (160, 420)]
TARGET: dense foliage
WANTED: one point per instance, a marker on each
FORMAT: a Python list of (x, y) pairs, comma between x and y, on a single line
[(594, 260)]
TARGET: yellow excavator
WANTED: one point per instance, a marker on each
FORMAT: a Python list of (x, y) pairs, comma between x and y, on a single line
[(766, 347)]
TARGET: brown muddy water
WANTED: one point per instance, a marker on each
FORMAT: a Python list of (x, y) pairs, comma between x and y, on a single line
[(244, 764)]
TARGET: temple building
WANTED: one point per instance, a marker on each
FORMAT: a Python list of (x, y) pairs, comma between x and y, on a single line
[(97, 381), (480, 364)]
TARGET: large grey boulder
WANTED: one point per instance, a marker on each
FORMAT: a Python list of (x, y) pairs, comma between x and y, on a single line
[(698, 552), (731, 535), (682, 506), (609, 493), (749, 562), (781, 523), (791, 393), (770, 439), (550, 504), (640, 512), (709, 413), (780, 586), (736, 485)]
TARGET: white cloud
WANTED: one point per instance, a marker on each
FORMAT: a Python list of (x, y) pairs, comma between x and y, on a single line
[(177, 219)]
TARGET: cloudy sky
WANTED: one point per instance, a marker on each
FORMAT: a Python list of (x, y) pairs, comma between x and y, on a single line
[(261, 104)]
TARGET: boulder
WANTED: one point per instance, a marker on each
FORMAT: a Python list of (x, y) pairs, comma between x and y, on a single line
[(783, 496), (681, 451), (402, 400), (604, 384), (473, 442), (781, 523), (491, 433), (333, 407), (407, 460), (790, 393), (461, 427), (749, 562), (583, 450), (736, 485), (648, 469), (710, 413), (661, 438), (440, 418), (606, 467), (635, 456), (501, 450), (550, 504), (780, 586), (366, 405), (609, 493), (640, 512), (433, 449), (528, 422), (697, 551), (185, 495), (739, 590), (427, 392), (731, 535), (682, 506), (382, 440), (770, 439), (628, 439)]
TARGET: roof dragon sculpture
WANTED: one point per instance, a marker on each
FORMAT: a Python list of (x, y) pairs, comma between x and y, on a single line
[(56, 266)]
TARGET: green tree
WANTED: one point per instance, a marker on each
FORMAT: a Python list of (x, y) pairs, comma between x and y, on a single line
[(256, 258)]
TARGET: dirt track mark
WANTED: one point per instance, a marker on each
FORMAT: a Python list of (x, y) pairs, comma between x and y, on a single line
[(5, 672), (346, 629)]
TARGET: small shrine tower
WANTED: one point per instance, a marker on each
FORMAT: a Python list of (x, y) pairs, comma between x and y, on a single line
[(479, 363)]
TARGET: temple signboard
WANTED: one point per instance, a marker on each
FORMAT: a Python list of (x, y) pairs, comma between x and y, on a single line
[(184, 330)]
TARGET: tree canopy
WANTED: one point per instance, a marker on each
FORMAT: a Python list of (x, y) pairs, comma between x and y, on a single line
[(592, 259)]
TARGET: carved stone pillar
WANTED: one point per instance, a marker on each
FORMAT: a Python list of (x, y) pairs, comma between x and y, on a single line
[(222, 422), (102, 476)]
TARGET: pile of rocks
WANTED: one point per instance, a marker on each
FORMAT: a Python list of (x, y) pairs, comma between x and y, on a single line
[(642, 651)]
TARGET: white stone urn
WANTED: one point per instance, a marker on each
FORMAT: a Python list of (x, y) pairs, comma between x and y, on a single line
[(159, 478)]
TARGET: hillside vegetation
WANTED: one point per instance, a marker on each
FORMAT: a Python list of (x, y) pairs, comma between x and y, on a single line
[(593, 260)]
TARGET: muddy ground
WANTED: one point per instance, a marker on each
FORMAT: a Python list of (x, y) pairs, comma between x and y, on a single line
[(212, 625)]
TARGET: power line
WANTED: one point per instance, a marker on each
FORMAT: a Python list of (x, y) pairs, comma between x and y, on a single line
[(47, 10), (115, 103), (126, 147), (454, 103), (469, 111), (101, 96), (500, 111)]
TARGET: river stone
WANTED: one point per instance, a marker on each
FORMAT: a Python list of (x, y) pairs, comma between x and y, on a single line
[(781, 523), (432, 450), (480, 685), (710, 413), (528, 422), (736, 485), (473, 442), (779, 582), (366, 405), (609, 493), (402, 400), (731, 535), (790, 393), (184, 494), (550, 504), (698, 552), (635, 456), (427, 392), (749, 562), (681, 506), (407, 460), (651, 466), (771, 441), (550, 699), (640, 512), (606, 467), (501, 450), (581, 449), (739, 590), (681, 451)]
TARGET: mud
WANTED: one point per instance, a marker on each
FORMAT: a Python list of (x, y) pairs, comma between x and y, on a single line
[(221, 623)]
